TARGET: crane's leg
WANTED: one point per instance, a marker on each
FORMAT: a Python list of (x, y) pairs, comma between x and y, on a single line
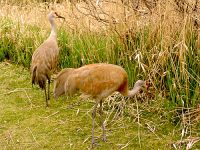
[(93, 121), (49, 80), (45, 92), (102, 122)]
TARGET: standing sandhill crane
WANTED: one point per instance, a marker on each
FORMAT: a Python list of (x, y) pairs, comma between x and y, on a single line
[(97, 81), (44, 59)]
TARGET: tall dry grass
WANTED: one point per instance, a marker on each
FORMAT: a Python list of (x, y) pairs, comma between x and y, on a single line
[(157, 41)]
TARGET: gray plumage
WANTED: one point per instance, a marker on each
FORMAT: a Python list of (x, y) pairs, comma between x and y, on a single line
[(45, 58)]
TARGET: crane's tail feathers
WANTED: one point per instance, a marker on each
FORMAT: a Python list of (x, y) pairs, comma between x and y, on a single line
[(42, 84), (34, 75), (38, 79)]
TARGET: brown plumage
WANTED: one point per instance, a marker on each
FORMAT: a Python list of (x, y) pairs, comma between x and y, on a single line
[(44, 59), (97, 81)]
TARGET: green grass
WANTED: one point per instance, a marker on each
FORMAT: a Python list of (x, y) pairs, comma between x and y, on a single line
[(173, 68), (26, 123)]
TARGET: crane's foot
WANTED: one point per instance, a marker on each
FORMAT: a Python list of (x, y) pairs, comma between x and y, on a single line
[(104, 138), (47, 104), (94, 143)]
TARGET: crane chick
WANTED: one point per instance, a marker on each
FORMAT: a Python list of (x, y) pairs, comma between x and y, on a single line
[(44, 58), (97, 81)]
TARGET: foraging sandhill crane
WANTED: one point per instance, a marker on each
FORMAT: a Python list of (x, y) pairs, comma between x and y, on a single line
[(97, 81), (44, 58)]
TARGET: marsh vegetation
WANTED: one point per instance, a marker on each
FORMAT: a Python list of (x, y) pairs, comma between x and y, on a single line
[(153, 40)]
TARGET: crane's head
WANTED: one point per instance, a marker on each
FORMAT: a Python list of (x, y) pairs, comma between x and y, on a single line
[(53, 15), (60, 81), (141, 84)]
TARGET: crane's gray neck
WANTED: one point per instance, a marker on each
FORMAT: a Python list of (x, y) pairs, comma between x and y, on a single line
[(132, 92), (53, 28)]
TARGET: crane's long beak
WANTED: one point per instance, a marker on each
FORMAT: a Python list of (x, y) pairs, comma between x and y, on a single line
[(58, 16), (147, 84)]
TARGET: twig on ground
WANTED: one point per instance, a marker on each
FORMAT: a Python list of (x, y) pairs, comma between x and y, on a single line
[(10, 137), (16, 90), (33, 136), (50, 115), (20, 90), (86, 139), (125, 145), (152, 129), (190, 141)]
